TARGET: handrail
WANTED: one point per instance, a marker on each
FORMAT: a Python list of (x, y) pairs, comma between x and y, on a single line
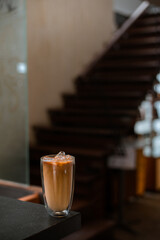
[(119, 33), (128, 23)]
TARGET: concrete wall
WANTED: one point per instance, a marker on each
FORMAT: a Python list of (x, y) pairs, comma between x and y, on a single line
[(63, 38), (13, 94)]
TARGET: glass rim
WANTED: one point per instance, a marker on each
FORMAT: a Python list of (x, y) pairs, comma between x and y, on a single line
[(52, 158)]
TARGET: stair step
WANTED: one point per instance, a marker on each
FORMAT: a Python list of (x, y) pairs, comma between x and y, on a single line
[(78, 131), (80, 204), (95, 208), (99, 139), (149, 20), (92, 113), (109, 88), (88, 189), (119, 64), (118, 73), (112, 97), (93, 230), (125, 72), (79, 120), (87, 178), (144, 30), (103, 102), (83, 153), (141, 42), (147, 15), (124, 94), (144, 53), (88, 208), (115, 78)]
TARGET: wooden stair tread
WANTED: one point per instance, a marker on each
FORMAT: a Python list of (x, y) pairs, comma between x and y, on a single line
[(108, 97), (94, 105), (93, 112), (69, 130), (110, 79), (152, 20), (149, 15), (91, 230), (86, 206), (128, 64), (74, 117), (117, 84), (125, 72), (86, 178), (153, 51), (142, 41), (113, 89), (144, 30), (94, 102), (79, 204), (71, 150), (91, 121), (114, 77), (125, 93)]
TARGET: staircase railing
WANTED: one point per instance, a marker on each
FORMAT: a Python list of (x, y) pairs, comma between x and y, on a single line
[(121, 31)]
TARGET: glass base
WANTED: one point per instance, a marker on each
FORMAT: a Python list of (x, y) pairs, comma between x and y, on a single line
[(58, 214)]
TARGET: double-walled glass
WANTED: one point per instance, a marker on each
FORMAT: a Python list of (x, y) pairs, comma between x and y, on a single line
[(58, 184)]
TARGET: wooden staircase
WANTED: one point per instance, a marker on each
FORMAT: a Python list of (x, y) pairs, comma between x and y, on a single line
[(102, 110)]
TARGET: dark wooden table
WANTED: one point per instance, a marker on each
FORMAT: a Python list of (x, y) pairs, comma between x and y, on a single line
[(25, 220)]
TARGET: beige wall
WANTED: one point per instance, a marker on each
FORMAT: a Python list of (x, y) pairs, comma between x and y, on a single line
[(63, 37)]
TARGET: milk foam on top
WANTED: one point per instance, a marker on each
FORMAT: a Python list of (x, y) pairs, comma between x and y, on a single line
[(58, 180)]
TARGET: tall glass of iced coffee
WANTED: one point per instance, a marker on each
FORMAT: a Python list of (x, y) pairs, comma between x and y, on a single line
[(57, 173)]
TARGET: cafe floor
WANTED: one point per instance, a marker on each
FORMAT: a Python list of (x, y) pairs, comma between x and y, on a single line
[(143, 216)]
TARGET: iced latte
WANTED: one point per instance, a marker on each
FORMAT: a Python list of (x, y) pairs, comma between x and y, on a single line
[(58, 182)]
